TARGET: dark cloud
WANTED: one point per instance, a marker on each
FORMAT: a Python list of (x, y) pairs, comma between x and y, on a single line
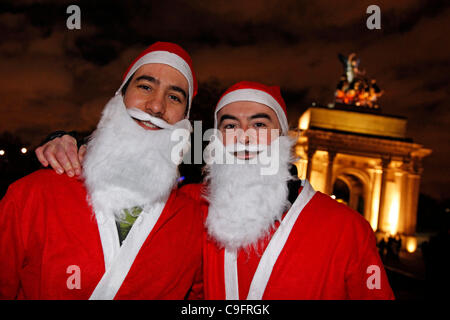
[(53, 78)]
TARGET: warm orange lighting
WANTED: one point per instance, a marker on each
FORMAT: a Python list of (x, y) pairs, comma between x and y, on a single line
[(333, 196), (340, 94), (411, 244), (304, 120), (375, 199), (393, 214)]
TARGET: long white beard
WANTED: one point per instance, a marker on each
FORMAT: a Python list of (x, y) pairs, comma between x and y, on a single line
[(244, 204), (127, 166)]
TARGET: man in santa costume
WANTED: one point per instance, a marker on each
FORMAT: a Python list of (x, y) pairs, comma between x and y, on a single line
[(269, 235), (121, 231)]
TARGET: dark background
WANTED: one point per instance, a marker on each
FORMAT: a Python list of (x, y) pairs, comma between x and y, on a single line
[(54, 78)]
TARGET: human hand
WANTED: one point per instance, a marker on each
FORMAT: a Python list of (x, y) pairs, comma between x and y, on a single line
[(62, 154)]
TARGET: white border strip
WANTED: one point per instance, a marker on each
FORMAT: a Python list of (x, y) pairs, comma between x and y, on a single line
[(231, 276), (270, 255), (276, 244), (116, 273)]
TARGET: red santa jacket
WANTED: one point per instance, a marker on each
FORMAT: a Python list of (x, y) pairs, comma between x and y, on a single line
[(49, 236), (330, 254)]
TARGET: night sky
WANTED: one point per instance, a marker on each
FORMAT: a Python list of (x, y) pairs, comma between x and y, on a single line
[(54, 78)]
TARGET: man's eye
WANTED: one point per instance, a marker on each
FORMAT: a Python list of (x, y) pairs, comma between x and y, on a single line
[(229, 126), (175, 98), (143, 86), (260, 125)]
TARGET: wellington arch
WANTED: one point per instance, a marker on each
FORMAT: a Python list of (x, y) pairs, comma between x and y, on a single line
[(364, 159)]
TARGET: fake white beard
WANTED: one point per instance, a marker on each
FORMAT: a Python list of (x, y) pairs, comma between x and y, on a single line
[(244, 204), (127, 166)]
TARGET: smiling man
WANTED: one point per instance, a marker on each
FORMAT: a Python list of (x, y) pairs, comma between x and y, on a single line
[(246, 125), (271, 236), (268, 234), (122, 230)]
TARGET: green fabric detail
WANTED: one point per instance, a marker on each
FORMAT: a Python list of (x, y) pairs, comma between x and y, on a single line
[(124, 226)]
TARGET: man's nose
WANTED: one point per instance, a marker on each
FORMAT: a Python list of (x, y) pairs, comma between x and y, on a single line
[(244, 135), (156, 104)]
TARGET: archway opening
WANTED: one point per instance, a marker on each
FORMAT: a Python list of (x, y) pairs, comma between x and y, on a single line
[(341, 191), (349, 190)]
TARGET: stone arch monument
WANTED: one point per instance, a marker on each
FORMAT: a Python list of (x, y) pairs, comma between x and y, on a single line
[(369, 152)]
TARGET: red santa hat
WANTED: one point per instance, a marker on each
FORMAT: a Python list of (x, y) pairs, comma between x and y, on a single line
[(256, 92), (170, 54)]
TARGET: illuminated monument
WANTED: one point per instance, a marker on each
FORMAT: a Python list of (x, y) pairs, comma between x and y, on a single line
[(361, 157)]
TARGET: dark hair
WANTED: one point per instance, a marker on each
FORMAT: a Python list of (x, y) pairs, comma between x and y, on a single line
[(124, 88)]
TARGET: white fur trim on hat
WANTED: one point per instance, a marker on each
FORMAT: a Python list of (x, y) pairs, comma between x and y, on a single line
[(255, 96), (170, 59)]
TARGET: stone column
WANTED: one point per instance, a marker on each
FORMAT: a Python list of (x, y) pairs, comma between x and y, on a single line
[(402, 176), (310, 153), (329, 178), (385, 161), (413, 183)]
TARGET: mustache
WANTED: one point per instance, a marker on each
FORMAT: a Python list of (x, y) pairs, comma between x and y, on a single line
[(240, 147), (144, 116)]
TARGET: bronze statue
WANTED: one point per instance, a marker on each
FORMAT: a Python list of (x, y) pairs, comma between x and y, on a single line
[(353, 87)]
